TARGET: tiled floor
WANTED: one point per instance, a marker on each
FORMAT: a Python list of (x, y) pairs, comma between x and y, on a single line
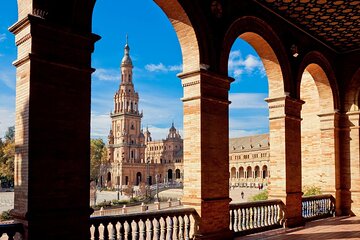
[(326, 229)]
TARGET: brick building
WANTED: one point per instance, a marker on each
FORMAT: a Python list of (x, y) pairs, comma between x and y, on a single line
[(133, 156), (249, 160)]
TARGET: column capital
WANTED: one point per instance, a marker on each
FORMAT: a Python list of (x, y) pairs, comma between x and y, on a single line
[(205, 85), (207, 77), (284, 106)]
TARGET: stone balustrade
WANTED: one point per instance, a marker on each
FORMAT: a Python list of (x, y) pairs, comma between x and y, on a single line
[(251, 217), (320, 206), (177, 224), (10, 229)]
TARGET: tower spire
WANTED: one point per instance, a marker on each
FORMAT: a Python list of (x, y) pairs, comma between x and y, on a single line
[(126, 61)]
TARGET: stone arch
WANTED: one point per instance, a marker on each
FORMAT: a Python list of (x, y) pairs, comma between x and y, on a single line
[(185, 33), (268, 46), (317, 88), (316, 66), (352, 100)]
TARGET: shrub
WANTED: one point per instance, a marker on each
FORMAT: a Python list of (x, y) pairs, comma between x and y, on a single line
[(312, 190), (104, 204), (119, 202), (5, 216), (260, 196)]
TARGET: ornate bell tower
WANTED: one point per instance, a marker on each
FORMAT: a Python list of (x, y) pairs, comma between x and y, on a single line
[(126, 140)]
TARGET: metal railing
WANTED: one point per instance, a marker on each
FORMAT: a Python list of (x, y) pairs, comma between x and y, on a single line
[(178, 224), (319, 206), (252, 217), (10, 229)]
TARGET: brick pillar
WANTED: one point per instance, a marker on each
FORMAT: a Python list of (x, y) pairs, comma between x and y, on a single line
[(353, 170), (52, 134), (206, 151), (285, 155), (329, 156)]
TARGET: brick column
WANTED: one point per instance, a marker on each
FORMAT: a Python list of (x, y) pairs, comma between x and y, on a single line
[(285, 155), (52, 134), (206, 151), (353, 170), (329, 155)]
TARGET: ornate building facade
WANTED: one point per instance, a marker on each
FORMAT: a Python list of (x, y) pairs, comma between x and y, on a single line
[(249, 160), (133, 157)]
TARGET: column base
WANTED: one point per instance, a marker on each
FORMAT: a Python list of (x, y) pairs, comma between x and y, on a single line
[(294, 222)]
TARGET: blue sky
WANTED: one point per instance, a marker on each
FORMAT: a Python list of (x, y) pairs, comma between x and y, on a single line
[(156, 56)]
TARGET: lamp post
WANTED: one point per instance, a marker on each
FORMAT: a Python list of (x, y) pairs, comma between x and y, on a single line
[(118, 181), (157, 188), (147, 176)]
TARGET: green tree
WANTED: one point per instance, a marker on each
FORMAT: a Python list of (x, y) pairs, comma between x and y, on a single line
[(97, 156), (7, 156), (10, 134)]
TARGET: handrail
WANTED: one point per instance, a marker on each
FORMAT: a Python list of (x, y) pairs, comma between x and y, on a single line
[(258, 216), (10, 229), (318, 206), (160, 224)]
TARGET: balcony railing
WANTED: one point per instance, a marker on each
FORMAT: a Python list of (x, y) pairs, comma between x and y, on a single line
[(10, 229), (316, 207), (177, 224), (251, 217)]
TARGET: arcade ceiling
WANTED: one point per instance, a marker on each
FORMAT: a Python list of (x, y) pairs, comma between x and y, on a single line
[(335, 23)]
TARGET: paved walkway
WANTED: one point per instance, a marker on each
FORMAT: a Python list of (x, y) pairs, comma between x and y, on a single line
[(330, 228)]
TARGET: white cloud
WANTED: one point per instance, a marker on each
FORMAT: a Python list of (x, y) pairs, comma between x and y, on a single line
[(248, 101), (235, 133), (246, 126), (2, 37), (162, 68), (8, 78), (103, 74), (238, 65), (100, 125)]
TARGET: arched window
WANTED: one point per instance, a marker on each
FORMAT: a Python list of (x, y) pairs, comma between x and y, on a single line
[(177, 174), (257, 171), (248, 172), (233, 172), (264, 172), (170, 175), (241, 172), (138, 178)]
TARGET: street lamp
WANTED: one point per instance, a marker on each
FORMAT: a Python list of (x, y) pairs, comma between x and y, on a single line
[(157, 187), (118, 181), (148, 176)]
